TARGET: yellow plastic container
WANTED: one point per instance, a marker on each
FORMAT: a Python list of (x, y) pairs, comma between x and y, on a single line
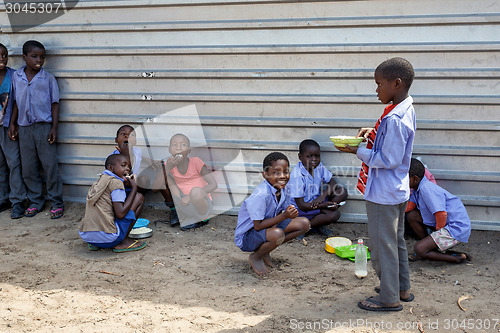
[(333, 242)]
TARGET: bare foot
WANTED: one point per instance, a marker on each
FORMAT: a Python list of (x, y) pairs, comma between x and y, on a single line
[(258, 265), (128, 243), (268, 261)]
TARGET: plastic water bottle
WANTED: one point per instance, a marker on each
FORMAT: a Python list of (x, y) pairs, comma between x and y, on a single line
[(360, 260)]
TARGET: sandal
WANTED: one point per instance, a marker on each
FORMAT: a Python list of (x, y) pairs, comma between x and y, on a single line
[(56, 213), (30, 212), (93, 247), (412, 257)]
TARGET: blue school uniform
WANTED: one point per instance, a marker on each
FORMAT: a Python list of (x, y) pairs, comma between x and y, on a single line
[(303, 185), (431, 198), (389, 159), (34, 99), (260, 205)]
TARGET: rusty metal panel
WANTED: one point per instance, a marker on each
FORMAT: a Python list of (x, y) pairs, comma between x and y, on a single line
[(264, 75)]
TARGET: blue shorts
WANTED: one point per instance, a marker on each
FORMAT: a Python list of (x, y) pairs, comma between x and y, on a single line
[(253, 239), (123, 225)]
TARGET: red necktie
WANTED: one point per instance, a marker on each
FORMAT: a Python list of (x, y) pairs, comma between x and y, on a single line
[(363, 173)]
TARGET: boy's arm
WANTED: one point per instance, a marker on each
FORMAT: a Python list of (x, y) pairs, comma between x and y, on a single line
[(55, 123), (13, 122), (440, 219), (290, 213), (209, 178), (122, 208)]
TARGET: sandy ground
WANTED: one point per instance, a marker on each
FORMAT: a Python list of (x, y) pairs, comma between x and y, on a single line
[(199, 281)]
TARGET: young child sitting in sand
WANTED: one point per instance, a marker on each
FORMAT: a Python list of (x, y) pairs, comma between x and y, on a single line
[(264, 220), (441, 210), (126, 145), (313, 189), (110, 213), (190, 183)]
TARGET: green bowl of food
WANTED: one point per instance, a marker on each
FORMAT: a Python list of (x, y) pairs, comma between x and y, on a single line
[(342, 140)]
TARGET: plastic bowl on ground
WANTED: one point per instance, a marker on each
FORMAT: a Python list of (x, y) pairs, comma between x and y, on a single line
[(341, 140), (140, 223), (333, 242), (348, 251), (142, 232)]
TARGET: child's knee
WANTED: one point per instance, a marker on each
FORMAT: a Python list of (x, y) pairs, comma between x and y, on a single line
[(139, 198), (303, 223), (275, 235), (197, 193), (420, 249)]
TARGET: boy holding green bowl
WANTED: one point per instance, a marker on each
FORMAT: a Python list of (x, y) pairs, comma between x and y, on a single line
[(384, 181)]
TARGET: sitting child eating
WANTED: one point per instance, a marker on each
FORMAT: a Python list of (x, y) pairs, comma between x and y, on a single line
[(313, 189), (110, 214)]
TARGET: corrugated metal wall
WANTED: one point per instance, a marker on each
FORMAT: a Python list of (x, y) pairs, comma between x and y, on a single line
[(264, 75)]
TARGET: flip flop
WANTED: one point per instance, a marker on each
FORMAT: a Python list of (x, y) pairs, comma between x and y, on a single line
[(412, 257), (409, 299), (30, 212), (131, 248), (56, 213), (381, 307), (93, 247)]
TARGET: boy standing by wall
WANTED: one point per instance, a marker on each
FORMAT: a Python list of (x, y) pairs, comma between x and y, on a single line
[(36, 111), (384, 181)]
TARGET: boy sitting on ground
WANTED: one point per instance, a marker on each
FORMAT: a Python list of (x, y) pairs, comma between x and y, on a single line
[(110, 212), (313, 190), (441, 210), (264, 220)]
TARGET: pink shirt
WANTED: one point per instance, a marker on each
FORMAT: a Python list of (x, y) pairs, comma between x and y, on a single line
[(192, 178)]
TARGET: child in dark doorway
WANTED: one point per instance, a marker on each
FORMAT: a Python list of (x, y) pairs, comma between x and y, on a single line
[(265, 220), (313, 189), (110, 214), (441, 210)]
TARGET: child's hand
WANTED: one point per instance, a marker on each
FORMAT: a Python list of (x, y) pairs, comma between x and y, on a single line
[(13, 132), (348, 149), (172, 161), (130, 180), (124, 148), (291, 212), (364, 132), (316, 202), (52, 136)]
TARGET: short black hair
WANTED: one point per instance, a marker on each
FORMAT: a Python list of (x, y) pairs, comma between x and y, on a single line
[(124, 126), (306, 144), (273, 157), (3, 46), (180, 134), (416, 168), (3, 97), (397, 68), (112, 160), (32, 44)]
